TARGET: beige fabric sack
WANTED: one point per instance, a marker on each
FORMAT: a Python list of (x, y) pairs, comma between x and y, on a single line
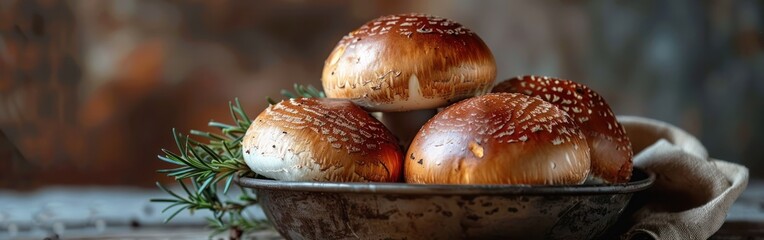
[(692, 192)]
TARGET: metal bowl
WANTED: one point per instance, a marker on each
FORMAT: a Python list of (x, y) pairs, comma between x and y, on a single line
[(321, 210)]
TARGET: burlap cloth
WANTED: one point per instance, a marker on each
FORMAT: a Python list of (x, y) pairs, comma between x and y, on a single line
[(692, 192)]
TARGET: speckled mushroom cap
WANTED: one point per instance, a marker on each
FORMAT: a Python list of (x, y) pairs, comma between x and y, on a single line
[(312, 139), (408, 62), (499, 138), (611, 148)]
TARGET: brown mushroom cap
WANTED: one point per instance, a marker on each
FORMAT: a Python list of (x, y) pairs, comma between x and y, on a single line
[(611, 148), (408, 62), (499, 138), (312, 139)]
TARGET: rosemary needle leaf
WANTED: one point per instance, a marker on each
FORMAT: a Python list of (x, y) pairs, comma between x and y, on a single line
[(166, 159), (214, 222), (179, 172), (220, 125), (245, 196), (193, 142), (315, 92), (241, 112), (205, 184), (185, 189), (210, 152), (174, 170), (237, 140), (243, 123), (171, 206), (228, 150), (175, 135), (230, 110), (172, 156), (175, 213), (195, 160), (234, 130), (297, 88), (207, 135), (219, 177), (287, 94), (228, 183), (170, 192)]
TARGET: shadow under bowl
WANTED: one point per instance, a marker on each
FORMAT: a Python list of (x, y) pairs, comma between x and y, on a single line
[(327, 210)]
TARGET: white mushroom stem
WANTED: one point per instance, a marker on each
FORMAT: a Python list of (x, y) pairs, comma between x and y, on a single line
[(405, 125)]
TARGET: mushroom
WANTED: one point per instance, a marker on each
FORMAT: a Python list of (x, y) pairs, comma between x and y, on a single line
[(409, 63), (611, 148), (499, 138), (317, 139)]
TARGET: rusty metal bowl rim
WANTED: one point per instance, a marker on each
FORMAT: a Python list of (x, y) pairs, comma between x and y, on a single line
[(641, 180)]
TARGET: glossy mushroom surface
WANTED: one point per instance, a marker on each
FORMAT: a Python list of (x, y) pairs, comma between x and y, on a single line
[(319, 139), (502, 138), (408, 62), (611, 151)]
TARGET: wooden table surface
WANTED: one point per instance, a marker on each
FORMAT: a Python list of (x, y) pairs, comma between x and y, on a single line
[(125, 213)]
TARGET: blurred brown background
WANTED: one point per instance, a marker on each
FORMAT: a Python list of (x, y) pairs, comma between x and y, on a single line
[(89, 90)]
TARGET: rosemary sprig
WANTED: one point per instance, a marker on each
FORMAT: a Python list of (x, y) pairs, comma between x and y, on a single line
[(205, 165), (215, 161), (300, 91)]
